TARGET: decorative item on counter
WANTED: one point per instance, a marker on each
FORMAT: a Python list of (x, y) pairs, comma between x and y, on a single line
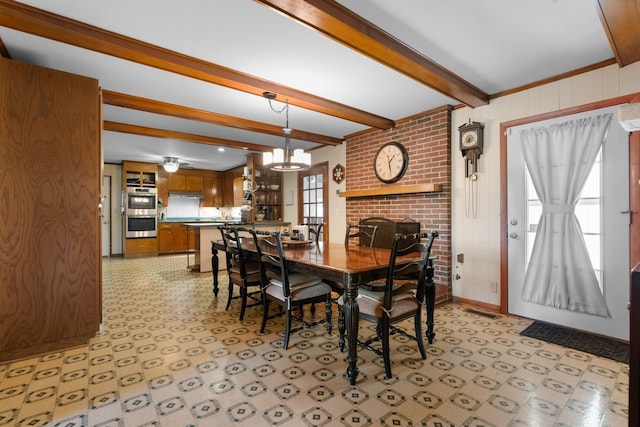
[(267, 212)]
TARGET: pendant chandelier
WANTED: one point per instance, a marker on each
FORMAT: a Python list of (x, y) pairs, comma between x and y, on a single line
[(285, 159)]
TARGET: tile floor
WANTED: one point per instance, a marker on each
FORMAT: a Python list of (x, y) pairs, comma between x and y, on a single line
[(169, 355)]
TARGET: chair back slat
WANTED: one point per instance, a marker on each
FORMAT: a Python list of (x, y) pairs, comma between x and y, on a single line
[(316, 230), (362, 234), (419, 271), (272, 265)]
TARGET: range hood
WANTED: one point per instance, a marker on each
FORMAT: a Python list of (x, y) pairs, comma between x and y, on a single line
[(187, 194)]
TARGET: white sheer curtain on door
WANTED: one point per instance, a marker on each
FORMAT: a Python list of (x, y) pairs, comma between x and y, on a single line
[(559, 159)]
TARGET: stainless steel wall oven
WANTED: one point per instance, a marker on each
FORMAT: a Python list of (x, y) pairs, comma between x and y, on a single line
[(141, 226), (140, 201), (141, 212)]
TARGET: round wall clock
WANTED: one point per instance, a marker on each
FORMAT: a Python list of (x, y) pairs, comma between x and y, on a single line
[(390, 162)]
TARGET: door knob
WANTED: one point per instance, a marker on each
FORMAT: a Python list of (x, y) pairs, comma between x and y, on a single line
[(513, 235)]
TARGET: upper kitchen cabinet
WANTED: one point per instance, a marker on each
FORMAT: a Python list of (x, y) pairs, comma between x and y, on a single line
[(51, 151), (190, 180), (212, 189), (209, 183), (228, 194), (136, 174)]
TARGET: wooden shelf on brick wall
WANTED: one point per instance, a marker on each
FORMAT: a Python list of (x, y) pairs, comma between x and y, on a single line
[(390, 191)]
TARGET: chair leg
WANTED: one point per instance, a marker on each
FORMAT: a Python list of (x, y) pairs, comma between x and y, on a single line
[(418, 325), (341, 327), (385, 347), (230, 294), (265, 314), (243, 298), (287, 330), (327, 310)]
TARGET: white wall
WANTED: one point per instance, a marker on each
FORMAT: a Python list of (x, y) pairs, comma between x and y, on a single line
[(337, 204), (115, 172), (479, 239)]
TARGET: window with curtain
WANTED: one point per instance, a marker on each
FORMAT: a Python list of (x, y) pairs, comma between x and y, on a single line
[(587, 211), (560, 159)]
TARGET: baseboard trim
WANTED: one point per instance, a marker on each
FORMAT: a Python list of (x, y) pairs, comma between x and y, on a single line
[(485, 306)]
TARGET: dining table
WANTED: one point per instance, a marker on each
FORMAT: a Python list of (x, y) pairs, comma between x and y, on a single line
[(351, 265)]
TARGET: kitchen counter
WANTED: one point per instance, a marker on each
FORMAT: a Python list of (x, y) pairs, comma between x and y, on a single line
[(199, 250), (257, 224)]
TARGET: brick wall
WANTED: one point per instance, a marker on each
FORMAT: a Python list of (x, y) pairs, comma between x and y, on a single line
[(427, 140)]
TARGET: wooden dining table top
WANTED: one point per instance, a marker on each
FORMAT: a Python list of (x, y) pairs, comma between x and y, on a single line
[(338, 257)]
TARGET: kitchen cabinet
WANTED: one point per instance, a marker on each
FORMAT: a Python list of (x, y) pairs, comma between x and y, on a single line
[(144, 246), (138, 174), (165, 238), (193, 183), (173, 238), (228, 195), (177, 182), (212, 189), (163, 189), (51, 231), (238, 192), (184, 182)]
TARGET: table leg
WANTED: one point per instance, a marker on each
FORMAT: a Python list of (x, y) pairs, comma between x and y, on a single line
[(352, 317), (214, 268)]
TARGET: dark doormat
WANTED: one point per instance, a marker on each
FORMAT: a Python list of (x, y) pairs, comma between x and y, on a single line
[(593, 344)]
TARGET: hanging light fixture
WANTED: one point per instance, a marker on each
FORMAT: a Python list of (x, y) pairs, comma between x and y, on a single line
[(285, 159), (171, 164)]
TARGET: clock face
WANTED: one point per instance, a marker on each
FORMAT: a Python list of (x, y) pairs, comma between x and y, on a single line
[(391, 162), (469, 139)]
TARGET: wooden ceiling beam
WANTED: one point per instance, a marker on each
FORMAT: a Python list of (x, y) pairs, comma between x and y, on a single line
[(22, 17), (158, 107), (165, 133), (3, 50), (621, 22), (341, 24)]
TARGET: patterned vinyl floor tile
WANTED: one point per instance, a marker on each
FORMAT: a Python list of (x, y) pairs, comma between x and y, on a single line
[(168, 354)]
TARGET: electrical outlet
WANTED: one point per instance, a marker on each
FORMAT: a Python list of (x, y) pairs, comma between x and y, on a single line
[(494, 287)]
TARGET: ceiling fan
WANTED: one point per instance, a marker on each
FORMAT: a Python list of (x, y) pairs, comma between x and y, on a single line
[(172, 164)]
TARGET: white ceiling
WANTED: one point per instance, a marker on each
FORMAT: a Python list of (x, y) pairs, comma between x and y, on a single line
[(495, 45)]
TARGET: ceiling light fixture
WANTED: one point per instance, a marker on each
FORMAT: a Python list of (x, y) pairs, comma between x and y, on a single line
[(171, 164), (285, 159)]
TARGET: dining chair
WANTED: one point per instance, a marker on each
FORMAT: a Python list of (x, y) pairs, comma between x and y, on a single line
[(242, 271), (362, 234), (289, 289), (315, 231), (402, 297)]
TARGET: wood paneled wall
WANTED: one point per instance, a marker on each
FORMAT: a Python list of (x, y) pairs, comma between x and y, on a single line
[(50, 181)]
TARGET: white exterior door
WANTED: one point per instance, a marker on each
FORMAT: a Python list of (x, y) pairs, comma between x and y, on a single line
[(604, 222)]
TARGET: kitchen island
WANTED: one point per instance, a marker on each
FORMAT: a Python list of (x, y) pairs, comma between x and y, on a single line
[(199, 244)]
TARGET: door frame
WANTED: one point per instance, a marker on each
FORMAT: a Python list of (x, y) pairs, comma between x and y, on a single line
[(634, 173), (106, 194), (322, 167)]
